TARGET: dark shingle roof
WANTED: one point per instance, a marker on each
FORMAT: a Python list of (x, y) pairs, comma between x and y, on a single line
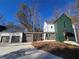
[(2, 28), (49, 21)]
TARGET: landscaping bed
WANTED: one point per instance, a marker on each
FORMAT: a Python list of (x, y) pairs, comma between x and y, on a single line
[(65, 51)]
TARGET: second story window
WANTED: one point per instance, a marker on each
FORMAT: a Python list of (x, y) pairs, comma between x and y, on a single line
[(51, 26)]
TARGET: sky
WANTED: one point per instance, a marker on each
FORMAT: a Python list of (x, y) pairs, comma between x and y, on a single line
[(46, 8)]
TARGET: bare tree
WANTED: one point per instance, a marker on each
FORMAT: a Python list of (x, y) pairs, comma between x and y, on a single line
[(77, 5), (71, 8), (73, 11), (2, 21), (28, 16), (57, 12), (14, 28), (36, 21), (24, 16), (36, 16)]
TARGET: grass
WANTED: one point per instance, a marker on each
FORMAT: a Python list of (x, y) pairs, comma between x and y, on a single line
[(65, 51)]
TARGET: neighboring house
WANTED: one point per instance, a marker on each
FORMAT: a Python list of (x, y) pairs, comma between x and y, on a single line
[(15, 28), (76, 31), (64, 24), (2, 28), (75, 24), (48, 27), (11, 34)]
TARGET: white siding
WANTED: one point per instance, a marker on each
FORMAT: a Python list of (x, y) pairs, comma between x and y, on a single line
[(48, 27)]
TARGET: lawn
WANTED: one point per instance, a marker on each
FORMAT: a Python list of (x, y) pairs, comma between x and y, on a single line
[(65, 51)]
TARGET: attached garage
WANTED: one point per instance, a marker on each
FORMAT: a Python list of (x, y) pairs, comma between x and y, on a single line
[(8, 37)]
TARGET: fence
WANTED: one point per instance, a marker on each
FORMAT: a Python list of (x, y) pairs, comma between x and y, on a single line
[(36, 36), (26, 37)]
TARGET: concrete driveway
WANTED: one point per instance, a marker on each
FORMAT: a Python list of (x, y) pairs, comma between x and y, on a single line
[(24, 51)]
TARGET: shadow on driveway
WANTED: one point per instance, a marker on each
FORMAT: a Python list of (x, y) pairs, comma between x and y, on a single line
[(30, 53)]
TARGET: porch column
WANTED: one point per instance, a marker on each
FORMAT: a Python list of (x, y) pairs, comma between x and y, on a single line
[(75, 32), (10, 39)]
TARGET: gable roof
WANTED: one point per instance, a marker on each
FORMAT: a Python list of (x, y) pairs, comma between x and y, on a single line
[(60, 17), (74, 19), (14, 28), (49, 21)]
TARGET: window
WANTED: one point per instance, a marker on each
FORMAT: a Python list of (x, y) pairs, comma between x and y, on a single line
[(15, 39), (51, 26)]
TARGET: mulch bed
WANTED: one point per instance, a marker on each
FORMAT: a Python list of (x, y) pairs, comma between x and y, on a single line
[(65, 51)]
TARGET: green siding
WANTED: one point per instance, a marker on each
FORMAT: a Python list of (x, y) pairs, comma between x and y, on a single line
[(60, 24)]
